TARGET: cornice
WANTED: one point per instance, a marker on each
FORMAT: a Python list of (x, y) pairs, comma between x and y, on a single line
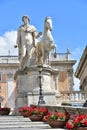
[(63, 62), (7, 65)]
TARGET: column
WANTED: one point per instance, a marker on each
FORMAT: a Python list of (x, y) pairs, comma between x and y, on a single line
[(70, 79), (10, 91)]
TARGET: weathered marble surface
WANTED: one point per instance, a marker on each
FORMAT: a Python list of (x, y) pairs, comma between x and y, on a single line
[(46, 44), (28, 86), (26, 43)]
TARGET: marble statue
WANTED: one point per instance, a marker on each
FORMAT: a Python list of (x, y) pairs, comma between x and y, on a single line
[(26, 42), (46, 44)]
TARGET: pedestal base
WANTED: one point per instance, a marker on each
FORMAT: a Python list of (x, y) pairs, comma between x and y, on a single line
[(49, 98), (27, 81)]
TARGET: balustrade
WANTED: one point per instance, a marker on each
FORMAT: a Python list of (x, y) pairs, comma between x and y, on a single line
[(73, 96), (60, 56)]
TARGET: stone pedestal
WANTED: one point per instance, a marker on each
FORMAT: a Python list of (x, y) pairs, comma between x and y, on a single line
[(28, 86), (49, 98)]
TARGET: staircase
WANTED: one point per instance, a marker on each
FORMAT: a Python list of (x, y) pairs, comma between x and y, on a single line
[(21, 123)]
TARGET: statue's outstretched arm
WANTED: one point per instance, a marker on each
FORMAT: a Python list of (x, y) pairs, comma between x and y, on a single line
[(36, 35)]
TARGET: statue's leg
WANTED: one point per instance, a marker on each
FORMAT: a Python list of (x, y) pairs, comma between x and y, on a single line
[(24, 51), (20, 49), (23, 54), (43, 55), (32, 52), (39, 53), (46, 57)]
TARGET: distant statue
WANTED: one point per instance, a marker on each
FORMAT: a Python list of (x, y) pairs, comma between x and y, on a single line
[(46, 44), (26, 42)]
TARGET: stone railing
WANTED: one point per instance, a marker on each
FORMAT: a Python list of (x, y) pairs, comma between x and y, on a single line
[(70, 109), (9, 59), (73, 96), (59, 56)]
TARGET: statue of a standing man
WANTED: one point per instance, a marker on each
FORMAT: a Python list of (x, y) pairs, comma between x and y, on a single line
[(26, 40)]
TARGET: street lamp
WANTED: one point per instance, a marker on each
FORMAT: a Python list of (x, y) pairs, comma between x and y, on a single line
[(41, 98)]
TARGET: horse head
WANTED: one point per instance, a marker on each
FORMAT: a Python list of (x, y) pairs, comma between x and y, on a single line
[(48, 23)]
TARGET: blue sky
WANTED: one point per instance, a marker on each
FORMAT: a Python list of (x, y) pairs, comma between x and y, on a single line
[(69, 23)]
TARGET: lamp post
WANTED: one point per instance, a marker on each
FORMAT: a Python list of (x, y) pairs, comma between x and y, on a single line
[(41, 98)]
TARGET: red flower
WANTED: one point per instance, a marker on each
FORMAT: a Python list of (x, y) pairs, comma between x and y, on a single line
[(77, 121), (81, 117), (33, 110), (85, 122), (56, 116), (24, 109), (69, 125), (46, 117)]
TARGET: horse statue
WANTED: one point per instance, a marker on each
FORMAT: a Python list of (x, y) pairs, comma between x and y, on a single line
[(46, 44)]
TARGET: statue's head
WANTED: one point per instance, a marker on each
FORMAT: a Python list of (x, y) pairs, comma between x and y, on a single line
[(48, 23), (48, 18), (25, 16)]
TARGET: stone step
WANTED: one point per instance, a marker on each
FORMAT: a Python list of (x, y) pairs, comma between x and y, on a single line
[(4, 119), (25, 126), (12, 117), (23, 123), (19, 122), (14, 120)]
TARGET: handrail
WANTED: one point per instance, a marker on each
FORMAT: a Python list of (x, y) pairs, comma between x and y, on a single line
[(73, 96), (60, 56)]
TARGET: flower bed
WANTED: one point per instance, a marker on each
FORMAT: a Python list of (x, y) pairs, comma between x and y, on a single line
[(33, 110), (77, 122), (4, 111), (57, 119), (57, 116), (25, 111)]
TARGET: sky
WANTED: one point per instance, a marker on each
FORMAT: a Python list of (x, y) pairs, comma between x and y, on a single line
[(69, 19)]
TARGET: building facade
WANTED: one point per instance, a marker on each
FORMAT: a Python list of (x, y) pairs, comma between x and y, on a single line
[(64, 64), (10, 64), (8, 67), (81, 71)]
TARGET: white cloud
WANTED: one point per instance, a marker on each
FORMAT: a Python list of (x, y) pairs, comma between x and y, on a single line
[(7, 42), (2, 41)]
